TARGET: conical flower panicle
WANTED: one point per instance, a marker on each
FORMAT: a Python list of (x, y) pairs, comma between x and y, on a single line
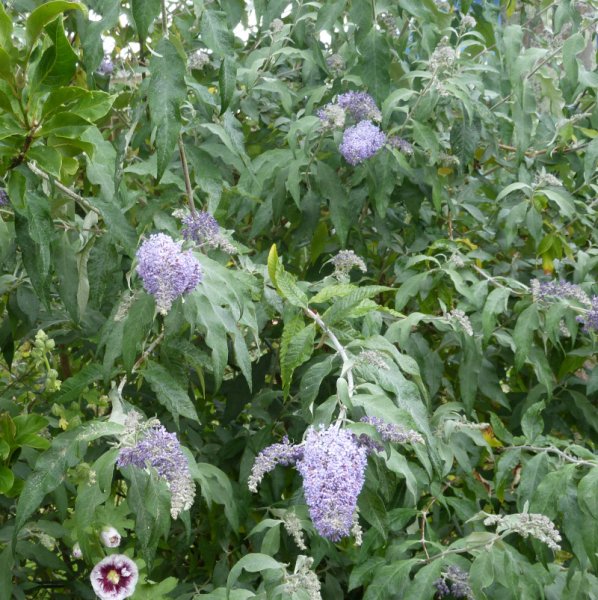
[(333, 469)]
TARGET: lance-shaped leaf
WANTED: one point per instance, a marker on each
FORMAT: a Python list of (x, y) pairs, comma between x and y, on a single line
[(167, 91)]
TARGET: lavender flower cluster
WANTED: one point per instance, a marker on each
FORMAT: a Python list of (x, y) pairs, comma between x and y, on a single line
[(161, 450), (390, 432), (332, 463), (455, 582), (4, 201), (345, 260), (362, 140), (546, 291), (333, 471), (166, 270), (203, 229)]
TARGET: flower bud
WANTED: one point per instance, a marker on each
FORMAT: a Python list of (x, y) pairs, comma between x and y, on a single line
[(110, 537)]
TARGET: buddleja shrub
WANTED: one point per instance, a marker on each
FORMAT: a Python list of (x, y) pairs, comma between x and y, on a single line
[(298, 299)]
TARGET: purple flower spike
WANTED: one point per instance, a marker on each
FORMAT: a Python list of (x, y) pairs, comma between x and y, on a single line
[(114, 577), (167, 272), (361, 142), (4, 201), (106, 66), (200, 227), (333, 470), (277, 454), (161, 450)]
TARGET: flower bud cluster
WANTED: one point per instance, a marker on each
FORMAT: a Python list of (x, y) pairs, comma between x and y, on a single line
[(336, 63), (454, 582), (42, 347), (345, 260), (527, 524), (401, 145), (462, 319), (292, 525), (390, 432), (198, 60), (544, 179), (442, 58), (303, 579), (372, 358), (166, 270), (468, 22), (158, 449)]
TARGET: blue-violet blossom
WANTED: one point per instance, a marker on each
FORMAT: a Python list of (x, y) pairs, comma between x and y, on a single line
[(360, 105), (161, 450), (166, 270), (362, 141)]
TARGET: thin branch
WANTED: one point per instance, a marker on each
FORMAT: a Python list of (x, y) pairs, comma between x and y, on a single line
[(347, 371), (553, 450), (65, 190), (186, 175), (141, 360)]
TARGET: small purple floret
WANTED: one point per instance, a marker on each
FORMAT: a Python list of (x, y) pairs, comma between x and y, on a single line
[(361, 142)]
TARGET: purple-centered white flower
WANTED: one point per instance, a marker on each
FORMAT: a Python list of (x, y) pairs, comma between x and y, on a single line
[(110, 537), (362, 141), (161, 450), (166, 270), (333, 467), (360, 106), (114, 577)]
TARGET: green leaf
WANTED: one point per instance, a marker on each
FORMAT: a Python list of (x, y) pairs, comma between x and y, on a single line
[(388, 578), (169, 392), (50, 470), (464, 139), (296, 347), (144, 14), (590, 160), (137, 326), (532, 423), (215, 33), (496, 304), (375, 64), (5, 28), (227, 80), (513, 187), (7, 479), (333, 191), (587, 493), (149, 500), (523, 334), (65, 265), (46, 13), (343, 307), (252, 563), (167, 91), (58, 63), (216, 487)]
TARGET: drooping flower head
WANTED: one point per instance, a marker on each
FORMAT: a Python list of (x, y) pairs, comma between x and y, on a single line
[(114, 577), (454, 582), (360, 105), (333, 467), (157, 448), (544, 291), (166, 270), (362, 141), (277, 454)]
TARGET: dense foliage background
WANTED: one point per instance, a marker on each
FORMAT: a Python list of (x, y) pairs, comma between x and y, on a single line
[(487, 183)]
